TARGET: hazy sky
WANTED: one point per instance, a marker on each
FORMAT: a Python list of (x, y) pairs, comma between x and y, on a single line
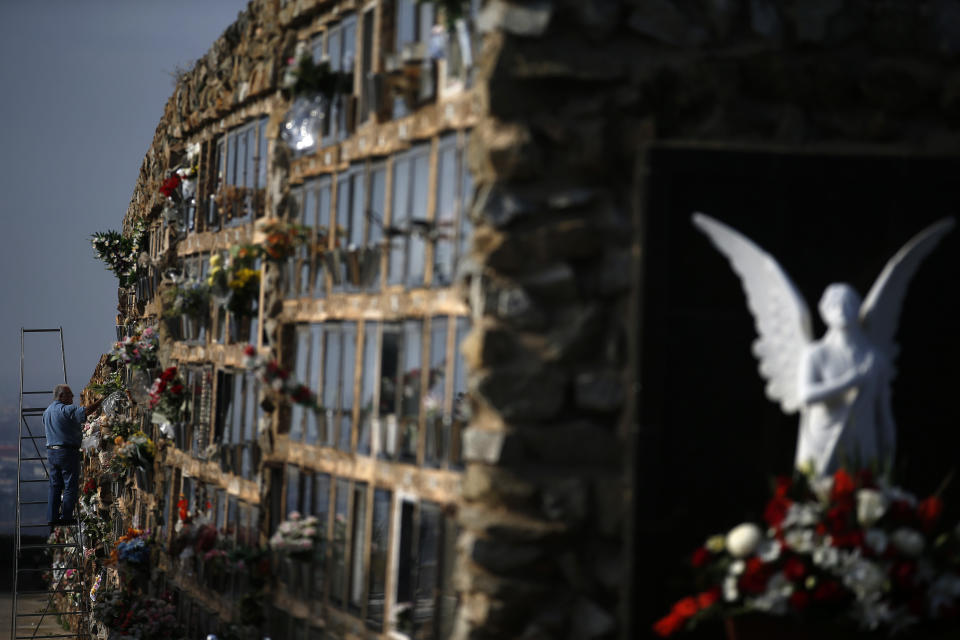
[(82, 88)]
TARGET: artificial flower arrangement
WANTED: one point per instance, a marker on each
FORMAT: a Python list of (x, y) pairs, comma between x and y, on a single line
[(283, 238), (139, 351), (129, 615), (236, 284), (133, 548), (296, 535), (237, 202), (189, 298), (849, 550), (168, 396), (135, 452), (121, 253), (279, 380)]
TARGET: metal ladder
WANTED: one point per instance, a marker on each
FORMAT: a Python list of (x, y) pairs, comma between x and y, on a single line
[(30, 625)]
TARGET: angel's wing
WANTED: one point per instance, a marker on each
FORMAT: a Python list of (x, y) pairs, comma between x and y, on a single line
[(779, 311), (880, 311)]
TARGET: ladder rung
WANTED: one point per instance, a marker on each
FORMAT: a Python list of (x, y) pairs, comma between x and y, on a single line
[(43, 593), (50, 613), (41, 480), (25, 409), (33, 437), (33, 393), (35, 526), (60, 635), (33, 502), (40, 330), (29, 459)]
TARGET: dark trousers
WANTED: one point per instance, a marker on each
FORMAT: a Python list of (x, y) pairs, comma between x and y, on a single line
[(64, 470)]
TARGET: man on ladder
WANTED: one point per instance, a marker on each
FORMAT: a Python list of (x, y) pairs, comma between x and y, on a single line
[(63, 428)]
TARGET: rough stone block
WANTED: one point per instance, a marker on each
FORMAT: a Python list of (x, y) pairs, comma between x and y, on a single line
[(662, 21), (586, 444), (523, 392), (483, 445), (505, 557), (565, 500), (599, 390), (496, 486), (590, 620), (555, 283)]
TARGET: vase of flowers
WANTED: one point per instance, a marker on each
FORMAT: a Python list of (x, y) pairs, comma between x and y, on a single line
[(848, 554)]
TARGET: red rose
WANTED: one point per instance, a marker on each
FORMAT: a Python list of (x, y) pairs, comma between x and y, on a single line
[(249, 351), (839, 518), (161, 386), (776, 511), (843, 486), (176, 389), (794, 569), (685, 608), (929, 511), (668, 625), (169, 185), (828, 591), (708, 598), (283, 374), (849, 539), (784, 483), (799, 600), (168, 373), (699, 558), (755, 577), (302, 394)]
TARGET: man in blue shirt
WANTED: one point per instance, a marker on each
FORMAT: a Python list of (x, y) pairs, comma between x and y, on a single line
[(63, 428)]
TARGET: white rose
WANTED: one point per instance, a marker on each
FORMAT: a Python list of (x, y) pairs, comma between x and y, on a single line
[(743, 540), (908, 541), (871, 505), (730, 592), (800, 540)]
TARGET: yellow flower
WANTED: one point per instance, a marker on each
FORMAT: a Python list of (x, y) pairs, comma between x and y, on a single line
[(215, 261), (716, 544), (118, 440)]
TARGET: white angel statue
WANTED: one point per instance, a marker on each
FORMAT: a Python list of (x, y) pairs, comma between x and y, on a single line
[(840, 384)]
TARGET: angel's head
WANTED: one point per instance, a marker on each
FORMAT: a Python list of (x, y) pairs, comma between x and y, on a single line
[(840, 306)]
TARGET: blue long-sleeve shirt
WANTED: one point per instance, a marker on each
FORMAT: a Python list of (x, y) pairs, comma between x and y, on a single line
[(63, 424)]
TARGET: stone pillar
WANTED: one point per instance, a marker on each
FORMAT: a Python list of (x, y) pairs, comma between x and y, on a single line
[(542, 549)]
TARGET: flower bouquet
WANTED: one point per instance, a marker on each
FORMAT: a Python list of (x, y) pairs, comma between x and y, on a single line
[(168, 396), (236, 285), (129, 615), (848, 551), (283, 238), (279, 380), (120, 253), (136, 452), (189, 298), (296, 535), (139, 351)]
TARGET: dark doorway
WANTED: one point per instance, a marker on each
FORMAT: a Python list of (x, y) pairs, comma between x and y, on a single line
[(709, 439)]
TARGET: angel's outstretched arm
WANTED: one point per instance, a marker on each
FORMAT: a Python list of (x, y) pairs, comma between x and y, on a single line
[(813, 388)]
